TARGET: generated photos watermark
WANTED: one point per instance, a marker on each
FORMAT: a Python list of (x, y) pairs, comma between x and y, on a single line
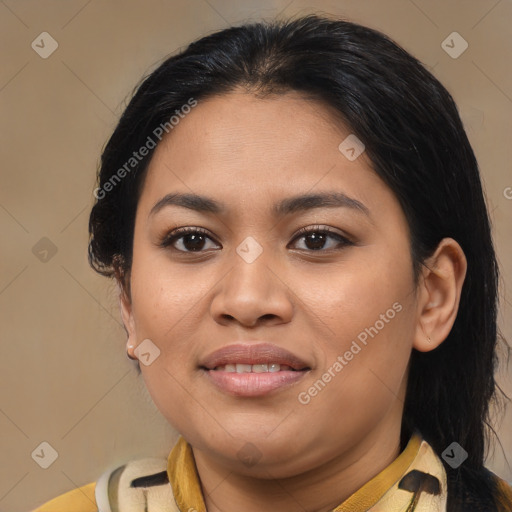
[(138, 156), (305, 397)]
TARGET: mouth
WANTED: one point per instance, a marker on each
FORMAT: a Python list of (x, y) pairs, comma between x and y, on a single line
[(253, 370)]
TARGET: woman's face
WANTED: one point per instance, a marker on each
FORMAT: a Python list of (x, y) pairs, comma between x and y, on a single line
[(327, 320)]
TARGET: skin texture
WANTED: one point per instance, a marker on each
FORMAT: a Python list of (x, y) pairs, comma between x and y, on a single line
[(250, 153)]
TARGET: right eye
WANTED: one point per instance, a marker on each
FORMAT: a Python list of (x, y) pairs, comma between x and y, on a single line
[(190, 238)]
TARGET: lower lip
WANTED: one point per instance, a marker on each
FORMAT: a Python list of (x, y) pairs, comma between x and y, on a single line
[(253, 384)]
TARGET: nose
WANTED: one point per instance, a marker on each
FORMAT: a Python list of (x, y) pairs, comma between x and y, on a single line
[(251, 294)]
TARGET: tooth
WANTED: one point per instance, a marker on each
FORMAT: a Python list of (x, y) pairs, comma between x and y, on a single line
[(274, 367), (231, 368), (243, 368), (260, 368)]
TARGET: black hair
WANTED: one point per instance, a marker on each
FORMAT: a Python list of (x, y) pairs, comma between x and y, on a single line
[(416, 143)]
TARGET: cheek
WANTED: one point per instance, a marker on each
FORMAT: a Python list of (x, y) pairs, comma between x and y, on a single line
[(363, 369), (164, 296), (353, 295), (167, 308), (367, 313)]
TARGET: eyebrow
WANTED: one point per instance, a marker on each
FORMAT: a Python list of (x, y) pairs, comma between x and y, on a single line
[(285, 207)]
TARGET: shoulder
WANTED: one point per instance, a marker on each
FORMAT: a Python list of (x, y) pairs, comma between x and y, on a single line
[(125, 487), (79, 500)]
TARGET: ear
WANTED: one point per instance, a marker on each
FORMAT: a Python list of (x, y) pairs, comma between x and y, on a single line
[(439, 294), (128, 320)]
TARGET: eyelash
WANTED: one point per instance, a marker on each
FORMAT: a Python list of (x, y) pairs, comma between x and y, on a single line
[(178, 233)]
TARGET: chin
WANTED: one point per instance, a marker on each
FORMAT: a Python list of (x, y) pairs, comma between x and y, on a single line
[(252, 453)]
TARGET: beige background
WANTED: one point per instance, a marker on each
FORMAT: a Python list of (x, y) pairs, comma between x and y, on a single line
[(65, 377)]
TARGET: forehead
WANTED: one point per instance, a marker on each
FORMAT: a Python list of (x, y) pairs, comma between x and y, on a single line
[(247, 150)]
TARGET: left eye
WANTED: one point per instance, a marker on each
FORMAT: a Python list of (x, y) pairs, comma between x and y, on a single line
[(317, 237)]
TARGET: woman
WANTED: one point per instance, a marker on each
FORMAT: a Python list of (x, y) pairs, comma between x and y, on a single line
[(295, 218)]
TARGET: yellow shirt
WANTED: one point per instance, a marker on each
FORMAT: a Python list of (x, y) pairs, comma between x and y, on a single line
[(416, 477)]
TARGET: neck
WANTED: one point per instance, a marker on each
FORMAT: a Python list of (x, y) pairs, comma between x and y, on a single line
[(320, 489)]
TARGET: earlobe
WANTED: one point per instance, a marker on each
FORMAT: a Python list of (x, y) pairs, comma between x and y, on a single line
[(439, 295), (130, 350)]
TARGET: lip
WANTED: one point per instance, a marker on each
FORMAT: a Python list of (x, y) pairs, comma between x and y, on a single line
[(253, 384), (259, 353)]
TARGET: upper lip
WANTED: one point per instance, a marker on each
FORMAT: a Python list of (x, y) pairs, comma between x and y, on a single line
[(259, 353)]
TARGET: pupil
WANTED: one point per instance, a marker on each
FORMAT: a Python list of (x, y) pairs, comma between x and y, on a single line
[(197, 241), (319, 238)]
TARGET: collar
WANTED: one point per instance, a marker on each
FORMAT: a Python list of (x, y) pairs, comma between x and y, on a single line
[(415, 479)]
